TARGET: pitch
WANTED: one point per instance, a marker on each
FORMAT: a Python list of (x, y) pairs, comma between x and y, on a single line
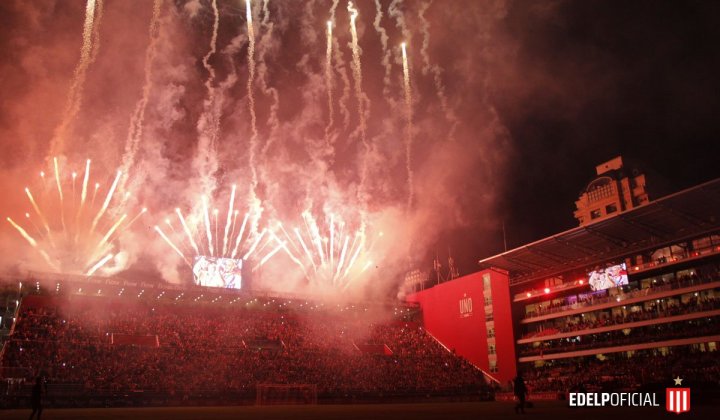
[(446, 411)]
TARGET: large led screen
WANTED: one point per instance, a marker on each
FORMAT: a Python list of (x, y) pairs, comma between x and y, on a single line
[(218, 272), (605, 278)]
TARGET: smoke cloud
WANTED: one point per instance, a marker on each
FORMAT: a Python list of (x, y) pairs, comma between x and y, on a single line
[(210, 101)]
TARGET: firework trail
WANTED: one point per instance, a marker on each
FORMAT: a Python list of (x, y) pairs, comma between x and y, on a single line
[(409, 126), (83, 197), (385, 51), (97, 22), (250, 94), (264, 46), (340, 69), (60, 192), (239, 237), (357, 76), (105, 204), (187, 231), (213, 49), (206, 218), (100, 246), (329, 82), (435, 70), (99, 264), (255, 244), (31, 241), (205, 161), (231, 210), (135, 131), (172, 244), (395, 12), (35, 226), (57, 144), (83, 193)]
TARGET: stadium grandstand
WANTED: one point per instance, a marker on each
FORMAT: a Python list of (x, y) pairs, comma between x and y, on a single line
[(623, 302), (112, 344)]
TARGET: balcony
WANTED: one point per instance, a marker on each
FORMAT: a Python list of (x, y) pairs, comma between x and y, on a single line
[(620, 326), (621, 348), (658, 292)]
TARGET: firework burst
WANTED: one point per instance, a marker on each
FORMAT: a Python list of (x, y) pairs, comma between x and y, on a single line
[(71, 234), (202, 233), (331, 255)]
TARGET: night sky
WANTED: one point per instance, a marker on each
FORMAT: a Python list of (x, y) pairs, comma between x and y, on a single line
[(515, 103), (596, 79)]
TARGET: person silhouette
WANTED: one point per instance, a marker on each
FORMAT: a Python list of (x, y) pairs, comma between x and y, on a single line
[(520, 391), (36, 398)]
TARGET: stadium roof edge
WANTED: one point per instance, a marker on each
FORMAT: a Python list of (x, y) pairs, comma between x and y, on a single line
[(675, 217)]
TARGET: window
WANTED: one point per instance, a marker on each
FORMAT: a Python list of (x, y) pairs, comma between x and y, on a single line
[(611, 208), (493, 367), (599, 189), (594, 214)]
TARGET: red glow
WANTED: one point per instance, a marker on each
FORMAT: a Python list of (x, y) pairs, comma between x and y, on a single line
[(547, 290), (529, 294), (581, 281)]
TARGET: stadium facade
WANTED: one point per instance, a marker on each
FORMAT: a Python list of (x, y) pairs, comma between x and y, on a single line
[(641, 281)]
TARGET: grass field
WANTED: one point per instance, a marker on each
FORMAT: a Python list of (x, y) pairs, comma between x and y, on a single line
[(442, 411)]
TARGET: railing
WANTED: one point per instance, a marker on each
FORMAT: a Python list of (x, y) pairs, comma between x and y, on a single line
[(650, 291), (625, 322), (619, 342), (650, 265)]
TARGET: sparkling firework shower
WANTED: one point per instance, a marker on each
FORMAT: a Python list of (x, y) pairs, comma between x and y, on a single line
[(87, 241), (332, 257), (198, 234), (289, 131)]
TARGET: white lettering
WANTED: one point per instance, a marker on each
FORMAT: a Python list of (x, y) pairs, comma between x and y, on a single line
[(623, 399)]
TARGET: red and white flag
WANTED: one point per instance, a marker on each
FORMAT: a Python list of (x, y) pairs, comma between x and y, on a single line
[(677, 400)]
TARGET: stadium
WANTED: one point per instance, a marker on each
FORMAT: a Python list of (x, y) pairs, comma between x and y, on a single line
[(269, 209), (108, 342)]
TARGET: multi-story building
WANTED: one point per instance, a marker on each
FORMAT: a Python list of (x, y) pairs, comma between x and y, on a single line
[(616, 188), (627, 299)]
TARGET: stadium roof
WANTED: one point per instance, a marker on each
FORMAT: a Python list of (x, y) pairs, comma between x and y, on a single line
[(682, 215)]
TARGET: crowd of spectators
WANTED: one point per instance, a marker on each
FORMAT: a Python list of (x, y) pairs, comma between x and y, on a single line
[(652, 333), (701, 275), (231, 350), (640, 312), (618, 372)]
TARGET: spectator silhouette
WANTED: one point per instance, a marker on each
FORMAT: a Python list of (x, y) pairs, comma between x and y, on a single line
[(36, 398), (520, 391)]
